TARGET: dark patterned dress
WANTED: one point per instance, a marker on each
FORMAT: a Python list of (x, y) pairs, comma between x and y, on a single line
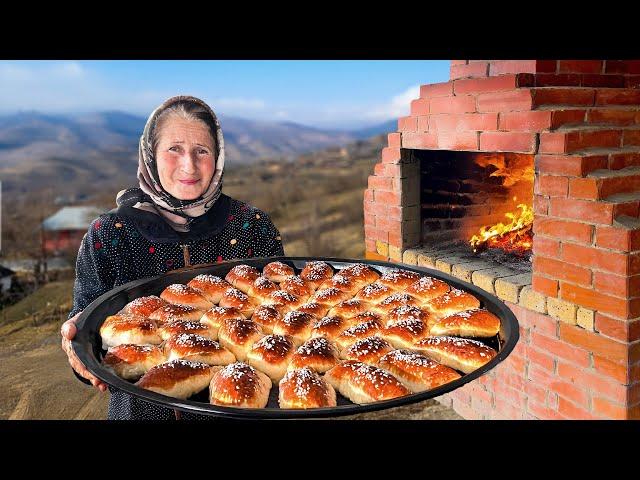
[(127, 244)]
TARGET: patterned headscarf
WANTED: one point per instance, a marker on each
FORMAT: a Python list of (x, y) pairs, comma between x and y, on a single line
[(151, 196)]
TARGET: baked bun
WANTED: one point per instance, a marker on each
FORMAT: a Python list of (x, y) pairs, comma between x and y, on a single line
[(317, 353), (330, 327), (176, 312), (454, 301), (198, 349), (211, 287), (176, 327), (367, 316), (284, 301), (405, 333), (242, 276), (427, 288), (297, 325), (214, 317), (261, 288), (408, 312), (180, 294), (468, 323), (277, 271), (130, 361), (348, 285), (330, 296), (144, 306), (417, 372), (395, 300), (305, 388), (127, 328), (271, 355), (398, 279), (240, 385), (177, 378), (362, 383), (314, 308), (295, 285), (367, 350), (362, 330), (267, 316), (316, 273), (240, 301), (461, 354), (374, 293), (350, 308), (238, 336), (361, 273)]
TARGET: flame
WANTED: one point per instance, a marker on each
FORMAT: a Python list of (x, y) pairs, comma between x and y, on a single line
[(514, 237), (513, 168)]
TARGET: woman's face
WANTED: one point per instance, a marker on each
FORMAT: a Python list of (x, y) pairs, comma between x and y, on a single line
[(185, 157)]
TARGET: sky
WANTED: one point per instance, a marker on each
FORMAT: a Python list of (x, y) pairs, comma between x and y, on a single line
[(319, 93)]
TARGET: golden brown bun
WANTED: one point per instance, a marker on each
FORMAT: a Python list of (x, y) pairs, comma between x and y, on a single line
[(362, 330), (297, 325), (417, 372), (271, 355), (240, 301), (367, 316), (428, 288), (395, 300), (468, 323), (176, 327), (126, 328), (316, 273), (329, 296), (238, 336), (261, 288), (180, 294), (330, 327), (144, 306), (198, 349), (284, 301), (314, 308), (277, 271), (130, 361), (362, 383), (408, 312), (211, 287), (305, 388), (296, 285), (374, 293), (398, 279), (405, 333), (178, 378), (317, 353), (462, 354), (350, 308), (240, 385), (214, 317), (367, 350), (452, 302), (348, 285), (172, 312), (267, 316), (360, 272), (242, 276)]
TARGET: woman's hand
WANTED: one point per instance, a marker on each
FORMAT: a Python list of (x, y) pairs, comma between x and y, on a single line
[(68, 331)]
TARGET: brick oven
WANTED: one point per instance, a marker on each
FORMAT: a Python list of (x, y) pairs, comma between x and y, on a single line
[(551, 150)]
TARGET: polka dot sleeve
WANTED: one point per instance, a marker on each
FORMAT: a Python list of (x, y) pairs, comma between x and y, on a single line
[(95, 266), (266, 239)]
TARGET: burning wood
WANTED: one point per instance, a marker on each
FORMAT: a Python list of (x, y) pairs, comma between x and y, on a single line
[(515, 237)]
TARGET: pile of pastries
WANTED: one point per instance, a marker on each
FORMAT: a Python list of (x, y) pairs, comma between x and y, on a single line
[(366, 334)]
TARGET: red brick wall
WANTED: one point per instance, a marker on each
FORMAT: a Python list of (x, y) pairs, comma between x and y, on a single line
[(581, 120)]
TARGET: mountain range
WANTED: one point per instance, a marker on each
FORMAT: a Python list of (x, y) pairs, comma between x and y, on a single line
[(39, 149)]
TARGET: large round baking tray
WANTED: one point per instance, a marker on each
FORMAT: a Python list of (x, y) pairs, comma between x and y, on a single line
[(87, 342)]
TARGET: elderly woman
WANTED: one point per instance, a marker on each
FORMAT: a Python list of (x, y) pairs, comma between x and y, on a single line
[(177, 217)]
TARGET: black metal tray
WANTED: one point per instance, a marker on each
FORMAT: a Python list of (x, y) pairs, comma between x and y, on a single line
[(88, 345)]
